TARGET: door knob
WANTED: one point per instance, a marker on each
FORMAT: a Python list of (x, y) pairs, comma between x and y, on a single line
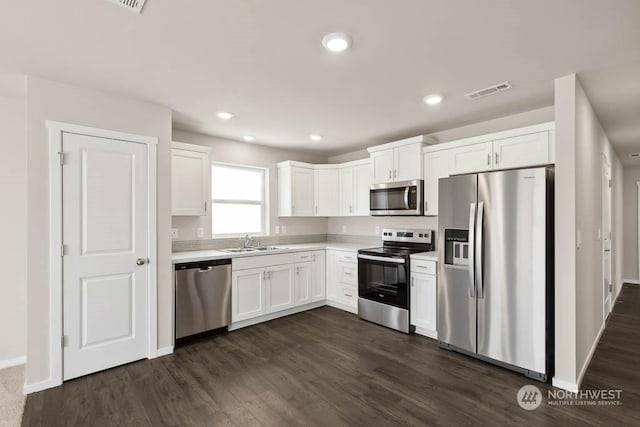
[(141, 261)]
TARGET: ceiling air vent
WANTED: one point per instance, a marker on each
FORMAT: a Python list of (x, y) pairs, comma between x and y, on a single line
[(491, 90), (133, 5)]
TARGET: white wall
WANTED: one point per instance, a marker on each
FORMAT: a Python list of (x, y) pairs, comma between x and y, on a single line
[(367, 225), (630, 195), (228, 151), (13, 245), (581, 143), (47, 100)]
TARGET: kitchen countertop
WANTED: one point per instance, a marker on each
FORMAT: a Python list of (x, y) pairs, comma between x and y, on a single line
[(193, 256), (427, 256)]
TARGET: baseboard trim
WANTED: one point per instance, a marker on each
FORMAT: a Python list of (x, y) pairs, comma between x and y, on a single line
[(631, 281), (587, 361), (164, 351), (276, 315), (565, 385), (36, 387), (16, 361), (341, 306)]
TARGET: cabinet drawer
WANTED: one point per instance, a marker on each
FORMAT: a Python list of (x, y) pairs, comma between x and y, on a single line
[(349, 295), (348, 273), (348, 257), (423, 266), (303, 256), (243, 263)]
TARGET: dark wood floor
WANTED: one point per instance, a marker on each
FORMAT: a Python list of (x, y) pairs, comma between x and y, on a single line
[(327, 367)]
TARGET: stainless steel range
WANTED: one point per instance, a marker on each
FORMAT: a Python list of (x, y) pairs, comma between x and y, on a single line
[(383, 277)]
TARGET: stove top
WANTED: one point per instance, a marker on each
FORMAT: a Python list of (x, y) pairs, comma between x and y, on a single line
[(391, 250), (402, 243)]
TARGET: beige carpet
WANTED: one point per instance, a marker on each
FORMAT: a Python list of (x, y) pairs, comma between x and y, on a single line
[(11, 397)]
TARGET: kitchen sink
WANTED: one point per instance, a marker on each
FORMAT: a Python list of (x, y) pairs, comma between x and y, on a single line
[(253, 249)]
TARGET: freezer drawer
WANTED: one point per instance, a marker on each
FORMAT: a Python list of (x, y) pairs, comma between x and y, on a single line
[(202, 297)]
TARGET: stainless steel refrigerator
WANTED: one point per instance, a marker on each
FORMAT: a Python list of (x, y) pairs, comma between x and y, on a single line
[(495, 270)]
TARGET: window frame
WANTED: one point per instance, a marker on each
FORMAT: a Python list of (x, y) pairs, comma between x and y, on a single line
[(264, 211)]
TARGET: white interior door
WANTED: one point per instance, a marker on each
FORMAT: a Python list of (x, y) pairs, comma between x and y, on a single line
[(607, 281), (105, 236)]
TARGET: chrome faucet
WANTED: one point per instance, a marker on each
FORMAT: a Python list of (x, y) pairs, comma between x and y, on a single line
[(247, 241)]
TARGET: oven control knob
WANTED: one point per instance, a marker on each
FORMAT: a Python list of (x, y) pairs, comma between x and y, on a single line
[(420, 235)]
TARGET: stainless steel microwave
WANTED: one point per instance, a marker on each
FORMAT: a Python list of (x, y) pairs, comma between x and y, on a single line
[(397, 198)]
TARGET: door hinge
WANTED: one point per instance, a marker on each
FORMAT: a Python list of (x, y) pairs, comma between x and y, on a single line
[(610, 287), (610, 183), (64, 341), (62, 249), (61, 156), (205, 206)]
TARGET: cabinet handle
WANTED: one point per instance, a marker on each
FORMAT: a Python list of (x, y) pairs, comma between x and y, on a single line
[(395, 173), (316, 210), (348, 274), (297, 271), (426, 204), (348, 295), (488, 159), (389, 173), (497, 159), (412, 282), (205, 206)]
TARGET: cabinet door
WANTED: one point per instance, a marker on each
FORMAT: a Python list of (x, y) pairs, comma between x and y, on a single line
[(279, 288), (302, 203), (361, 184), (327, 189), (436, 166), (189, 182), (471, 158), (423, 301), (318, 270), (382, 166), (346, 191), (521, 151), (247, 294), (408, 162), (302, 283)]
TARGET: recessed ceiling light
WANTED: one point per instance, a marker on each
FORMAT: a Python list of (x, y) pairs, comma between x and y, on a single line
[(336, 42), (433, 99), (315, 137), (249, 138), (224, 115)]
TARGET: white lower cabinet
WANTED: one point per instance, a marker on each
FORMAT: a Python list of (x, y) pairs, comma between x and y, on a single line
[(279, 288), (318, 275), (247, 294), (303, 277), (342, 280), (424, 298)]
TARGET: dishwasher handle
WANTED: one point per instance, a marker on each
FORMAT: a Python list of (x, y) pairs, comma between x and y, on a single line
[(203, 265)]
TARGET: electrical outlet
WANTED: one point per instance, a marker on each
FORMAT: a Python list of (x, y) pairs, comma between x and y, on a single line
[(377, 230), (579, 240), (200, 232), (599, 234), (174, 233), (344, 228), (277, 229), (284, 229)]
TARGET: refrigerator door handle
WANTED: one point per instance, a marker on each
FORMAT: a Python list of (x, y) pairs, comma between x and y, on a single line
[(478, 249), (472, 234)]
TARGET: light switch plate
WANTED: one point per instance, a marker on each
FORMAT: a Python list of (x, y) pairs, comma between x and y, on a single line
[(377, 230), (579, 239), (174, 233), (277, 229), (344, 228), (200, 232)]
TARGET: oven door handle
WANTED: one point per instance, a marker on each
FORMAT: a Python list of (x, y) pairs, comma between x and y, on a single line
[(382, 259)]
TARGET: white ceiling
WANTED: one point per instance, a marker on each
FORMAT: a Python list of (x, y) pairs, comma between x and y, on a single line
[(615, 95), (263, 60)]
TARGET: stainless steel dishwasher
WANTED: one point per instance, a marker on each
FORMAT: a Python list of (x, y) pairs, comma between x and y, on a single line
[(203, 296)]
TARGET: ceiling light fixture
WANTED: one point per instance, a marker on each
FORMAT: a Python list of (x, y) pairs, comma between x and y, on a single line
[(336, 42), (249, 138), (224, 115), (433, 99), (315, 137)]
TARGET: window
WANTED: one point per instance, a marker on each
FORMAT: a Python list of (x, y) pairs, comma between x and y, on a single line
[(237, 200)]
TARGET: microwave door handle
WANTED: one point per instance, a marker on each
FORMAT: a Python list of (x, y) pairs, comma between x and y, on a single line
[(406, 197), (472, 232), (479, 248)]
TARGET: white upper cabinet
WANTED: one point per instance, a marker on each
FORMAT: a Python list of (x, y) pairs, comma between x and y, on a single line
[(382, 165), (327, 192), (190, 174), (520, 151), (295, 190), (398, 161), (355, 179), (471, 158), (436, 166)]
